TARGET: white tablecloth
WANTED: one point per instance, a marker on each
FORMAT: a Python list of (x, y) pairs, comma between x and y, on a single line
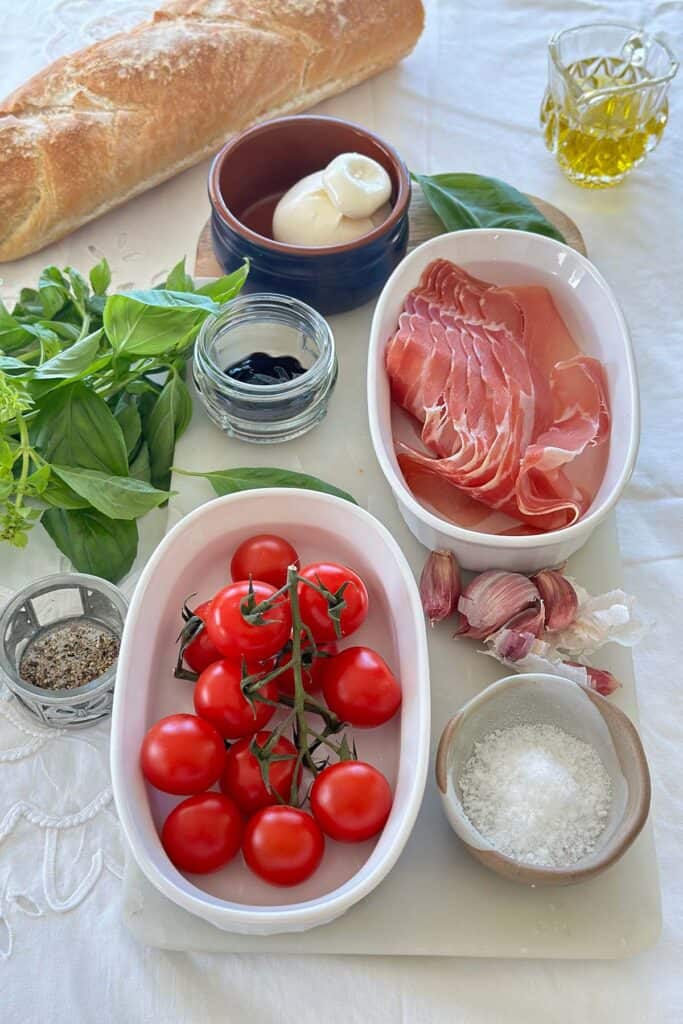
[(467, 99)]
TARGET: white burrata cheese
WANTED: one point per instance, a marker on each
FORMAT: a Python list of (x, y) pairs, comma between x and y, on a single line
[(339, 204)]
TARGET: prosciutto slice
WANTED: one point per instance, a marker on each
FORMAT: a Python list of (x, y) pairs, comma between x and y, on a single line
[(507, 403)]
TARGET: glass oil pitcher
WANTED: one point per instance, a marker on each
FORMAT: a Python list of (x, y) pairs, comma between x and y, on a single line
[(606, 103)]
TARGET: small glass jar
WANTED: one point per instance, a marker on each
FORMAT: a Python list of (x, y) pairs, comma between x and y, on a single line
[(39, 609), (278, 326)]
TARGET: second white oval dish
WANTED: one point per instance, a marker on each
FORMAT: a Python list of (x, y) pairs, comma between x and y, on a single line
[(592, 313), (194, 558)]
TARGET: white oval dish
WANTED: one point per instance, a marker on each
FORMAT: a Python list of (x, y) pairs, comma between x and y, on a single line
[(194, 557), (592, 314)]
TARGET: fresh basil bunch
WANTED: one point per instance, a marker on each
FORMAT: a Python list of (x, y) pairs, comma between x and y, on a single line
[(92, 402)]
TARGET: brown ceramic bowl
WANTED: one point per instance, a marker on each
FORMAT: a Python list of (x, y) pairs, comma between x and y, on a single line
[(548, 699), (254, 170)]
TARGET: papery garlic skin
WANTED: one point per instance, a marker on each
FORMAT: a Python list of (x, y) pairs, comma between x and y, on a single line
[(440, 585), (605, 618), (559, 597), (524, 653), (491, 599)]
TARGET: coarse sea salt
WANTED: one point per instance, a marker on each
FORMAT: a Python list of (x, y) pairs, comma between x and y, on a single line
[(537, 794)]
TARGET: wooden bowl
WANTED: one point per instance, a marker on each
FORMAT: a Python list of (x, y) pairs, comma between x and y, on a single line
[(537, 698)]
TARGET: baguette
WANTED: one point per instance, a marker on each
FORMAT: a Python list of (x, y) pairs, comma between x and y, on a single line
[(108, 122)]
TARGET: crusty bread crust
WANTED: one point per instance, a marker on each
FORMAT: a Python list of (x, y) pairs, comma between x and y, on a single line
[(106, 123)]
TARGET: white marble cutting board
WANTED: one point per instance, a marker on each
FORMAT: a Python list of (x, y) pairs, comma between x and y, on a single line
[(437, 901)]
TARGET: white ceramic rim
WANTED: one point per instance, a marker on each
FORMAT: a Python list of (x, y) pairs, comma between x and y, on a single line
[(334, 903), (585, 524)]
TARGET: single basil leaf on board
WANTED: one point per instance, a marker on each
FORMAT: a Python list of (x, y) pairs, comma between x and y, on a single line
[(100, 277), (73, 360), (225, 288), (95, 544), (128, 417), (248, 478), (118, 497), (140, 468), (75, 427), (167, 420), (178, 279), (474, 201), (137, 327)]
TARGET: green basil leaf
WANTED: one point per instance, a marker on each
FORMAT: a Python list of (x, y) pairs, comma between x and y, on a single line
[(60, 496), (13, 367), (66, 331), (225, 288), (247, 478), (45, 335), (100, 277), (38, 481), (75, 427), (167, 299), (152, 323), (29, 304), (178, 279), (163, 425), (79, 289), (128, 417), (95, 305), (140, 468), (13, 334), (93, 543), (53, 291), (118, 497), (71, 361), (474, 201)]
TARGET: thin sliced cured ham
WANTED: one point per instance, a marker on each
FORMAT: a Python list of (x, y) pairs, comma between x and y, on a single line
[(508, 404)]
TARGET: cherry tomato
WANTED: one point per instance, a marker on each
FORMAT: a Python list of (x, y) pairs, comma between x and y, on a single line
[(351, 801), (203, 833), (234, 637), (311, 669), (218, 698), (182, 754), (314, 607), (283, 845), (264, 557), (359, 687), (200, 652), (242, 778)]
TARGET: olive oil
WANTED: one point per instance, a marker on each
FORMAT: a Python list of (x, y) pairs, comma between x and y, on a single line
[(598, 138)]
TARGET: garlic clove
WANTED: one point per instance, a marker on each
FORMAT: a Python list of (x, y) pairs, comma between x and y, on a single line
[(492, 599), (559, 597), (599, 679), (531, 620), (440, 585)]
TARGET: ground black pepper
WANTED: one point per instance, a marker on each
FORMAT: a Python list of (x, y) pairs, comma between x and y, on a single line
[(69, 655)]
